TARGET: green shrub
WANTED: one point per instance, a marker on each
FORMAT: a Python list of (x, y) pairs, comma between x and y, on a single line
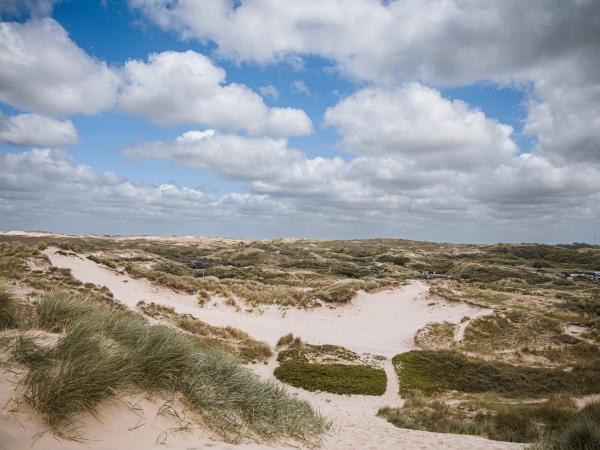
[(510, 422), (334, 378)]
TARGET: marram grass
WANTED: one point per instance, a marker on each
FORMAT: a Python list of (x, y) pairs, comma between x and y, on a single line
[(105, 350)]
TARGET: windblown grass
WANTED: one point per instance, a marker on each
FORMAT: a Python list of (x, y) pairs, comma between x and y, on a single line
[(230, 339), (581, 432), (10, 309), (107, 350)]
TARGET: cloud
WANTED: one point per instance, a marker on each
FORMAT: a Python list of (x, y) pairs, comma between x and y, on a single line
[(438, 42), (300, 87), (36, 130), (228, 155), (308, 197), (185, 87), (269, 91), (415, 123), (451, 41), (43, 71), (35, 8), (36, 184), (564, 111)]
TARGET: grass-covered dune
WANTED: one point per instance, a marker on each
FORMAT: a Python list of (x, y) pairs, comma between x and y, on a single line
[(104, 350), (439, 371), (553, 424)]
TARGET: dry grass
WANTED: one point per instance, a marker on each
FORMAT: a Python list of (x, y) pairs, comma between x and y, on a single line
[(229, 339)]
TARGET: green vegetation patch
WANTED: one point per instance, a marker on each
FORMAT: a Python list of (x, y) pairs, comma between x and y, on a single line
[(334, 378), (527, 422), (329, 368), (511, 329), (438, 371), (581, 432)]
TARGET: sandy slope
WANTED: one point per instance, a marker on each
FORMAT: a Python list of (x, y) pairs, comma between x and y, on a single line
[(382, 323), (132, 422)]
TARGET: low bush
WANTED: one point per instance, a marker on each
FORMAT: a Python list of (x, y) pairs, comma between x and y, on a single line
[(338, 293), (334, 378), (285, 340), (581, 432)]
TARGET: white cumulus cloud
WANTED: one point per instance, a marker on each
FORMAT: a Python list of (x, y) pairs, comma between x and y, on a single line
[(35, 130), (186, 87), (415, 123), (43, 71)]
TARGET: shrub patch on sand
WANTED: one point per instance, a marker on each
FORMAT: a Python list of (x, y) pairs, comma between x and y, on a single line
[(330, 368), (438, 371), (334, 378)]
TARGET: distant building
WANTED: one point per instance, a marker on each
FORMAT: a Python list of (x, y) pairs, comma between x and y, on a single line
[(594, 276)]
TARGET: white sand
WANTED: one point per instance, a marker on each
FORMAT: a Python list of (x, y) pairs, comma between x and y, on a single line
[(383, 323)]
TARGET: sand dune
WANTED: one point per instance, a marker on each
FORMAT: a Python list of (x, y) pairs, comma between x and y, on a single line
[(383, 323)]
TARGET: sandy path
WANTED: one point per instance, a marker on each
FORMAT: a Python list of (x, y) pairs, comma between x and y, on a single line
[(382, 323), (459, 332)]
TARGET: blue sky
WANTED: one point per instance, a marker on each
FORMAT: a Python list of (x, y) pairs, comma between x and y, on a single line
[(398, 109), (114, 33)]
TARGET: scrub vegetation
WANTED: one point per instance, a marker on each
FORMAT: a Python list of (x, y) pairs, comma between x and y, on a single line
[(329, 368), (545, 423), (441, 371)]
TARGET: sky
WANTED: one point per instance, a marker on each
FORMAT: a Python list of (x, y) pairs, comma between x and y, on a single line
[(438, 120)]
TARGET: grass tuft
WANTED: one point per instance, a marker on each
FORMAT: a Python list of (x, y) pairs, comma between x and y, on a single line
[(105, 350), (10, 310), (582, 432)]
